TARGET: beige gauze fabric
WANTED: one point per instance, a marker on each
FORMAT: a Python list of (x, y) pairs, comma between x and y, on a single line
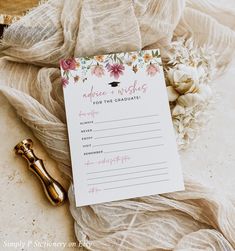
[(199, 218)]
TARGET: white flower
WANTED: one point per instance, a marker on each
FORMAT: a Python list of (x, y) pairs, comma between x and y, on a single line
[(172, 94), (188, 70), (184, 79)]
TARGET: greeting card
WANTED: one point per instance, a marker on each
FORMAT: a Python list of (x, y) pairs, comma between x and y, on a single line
[(121, 136)]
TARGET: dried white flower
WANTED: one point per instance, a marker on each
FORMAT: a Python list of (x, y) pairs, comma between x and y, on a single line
[(172, 93), (188, 71)]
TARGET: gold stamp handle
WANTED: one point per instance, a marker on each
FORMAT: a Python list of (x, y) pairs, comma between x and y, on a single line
[(54, 191)]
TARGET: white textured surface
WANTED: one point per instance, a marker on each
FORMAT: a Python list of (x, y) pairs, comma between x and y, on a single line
[(212, 156), (27, 216)]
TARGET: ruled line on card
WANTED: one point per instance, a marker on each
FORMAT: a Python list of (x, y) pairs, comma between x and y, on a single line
[(115, 120), (132, 178), (120, 127), (120, 174), (127, 141), (129, 167), (144, 183), (129, 149), (124, 134)]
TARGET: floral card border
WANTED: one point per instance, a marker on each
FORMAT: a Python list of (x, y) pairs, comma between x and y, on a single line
[(112, 64)]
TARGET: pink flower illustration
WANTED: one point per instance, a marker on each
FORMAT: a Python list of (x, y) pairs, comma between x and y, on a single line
[(116, 70), (68, 64), (64, 82), (152, 69), (97, 70)]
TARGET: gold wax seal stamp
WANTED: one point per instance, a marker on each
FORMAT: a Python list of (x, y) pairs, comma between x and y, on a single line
[(54, 191)]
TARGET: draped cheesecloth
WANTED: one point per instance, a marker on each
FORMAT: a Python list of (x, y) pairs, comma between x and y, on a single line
[(198, 218)]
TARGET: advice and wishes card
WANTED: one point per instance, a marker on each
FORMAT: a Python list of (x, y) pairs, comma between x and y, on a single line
[(121, 135)]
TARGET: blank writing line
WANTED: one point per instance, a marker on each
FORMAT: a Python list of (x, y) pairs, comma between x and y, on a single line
[(136, 184), (126, 134), (157, 122), (120, 142), (133, 148), (133, 178), (147, 116), (108, 170), (120, 174)]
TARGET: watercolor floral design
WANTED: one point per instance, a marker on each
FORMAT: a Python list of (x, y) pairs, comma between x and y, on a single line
[(97, 70), (152, 69), (115, 70), (112, 64), (68, 65)]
